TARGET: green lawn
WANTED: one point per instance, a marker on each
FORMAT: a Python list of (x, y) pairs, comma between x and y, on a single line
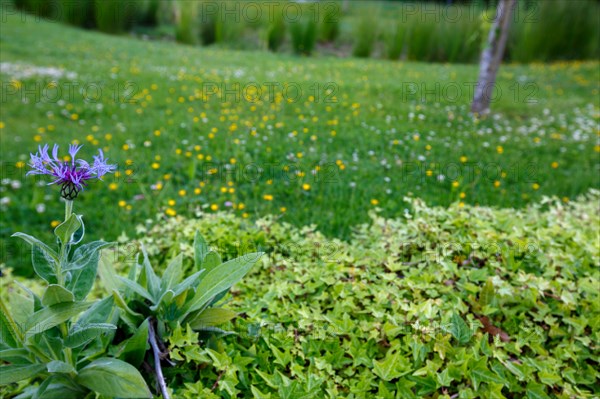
[(357, 137)]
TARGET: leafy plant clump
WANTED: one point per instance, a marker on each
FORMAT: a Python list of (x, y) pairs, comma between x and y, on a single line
[(61, 344)]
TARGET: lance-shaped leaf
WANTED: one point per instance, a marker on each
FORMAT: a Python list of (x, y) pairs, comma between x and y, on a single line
[(52, 316), (107, 272), (44, 264), (85, 334), (15, 356), (200, 250), (113, 378), (56, 294), (148, 278), (85, 253), (34, 241), (57, 366), (17, 372), (9, 335), (134, 348), (58, 386), (173, 274), (211, 317), (66, 229), (137, 288), (220, 279), (131, 318), (84, 275)]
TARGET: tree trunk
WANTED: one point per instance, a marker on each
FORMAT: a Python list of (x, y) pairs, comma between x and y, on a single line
[(491, 57)]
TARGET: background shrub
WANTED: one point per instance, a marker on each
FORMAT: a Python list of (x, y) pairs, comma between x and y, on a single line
[(304, 35), (276, 29), (330, 21), (77, 12), (551, 30), (186, 21), (395, 39), (366, 31), (114, 16)]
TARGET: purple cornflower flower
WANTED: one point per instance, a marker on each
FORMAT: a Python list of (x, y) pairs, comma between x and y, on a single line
[(73, 175)]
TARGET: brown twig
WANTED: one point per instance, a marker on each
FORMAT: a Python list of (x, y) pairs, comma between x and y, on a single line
[(157, 368), (217, 381)]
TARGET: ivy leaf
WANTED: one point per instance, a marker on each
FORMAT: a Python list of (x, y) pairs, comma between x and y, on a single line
[(393, 366), (459, 329), (113, 378), (480, 373), (536, 391), (486, 295), (258, 394)]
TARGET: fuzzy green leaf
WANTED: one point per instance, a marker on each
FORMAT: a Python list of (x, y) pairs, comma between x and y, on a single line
[(56, 366), (66, 229), (113, 378), (211, 317), (18, 372), (52, 316), (85, 334), (55, 294), (221, 278)]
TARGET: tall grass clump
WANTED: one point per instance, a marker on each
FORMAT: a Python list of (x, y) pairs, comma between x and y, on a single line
[(304, 35), (458, 40), (77, 12), (366, 32), (185, 22), (275, 28), (330, 22), (421, 38), (229, 26), (554, 30), (114, 16), (147, 12), (395, 38), (208, 21), (43, 8)]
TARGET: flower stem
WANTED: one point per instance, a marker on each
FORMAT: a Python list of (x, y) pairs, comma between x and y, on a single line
[(64, 250), (68, 209), (64, 247)]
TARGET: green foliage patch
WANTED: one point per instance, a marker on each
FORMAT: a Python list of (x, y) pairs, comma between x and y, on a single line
[(472, 301)]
